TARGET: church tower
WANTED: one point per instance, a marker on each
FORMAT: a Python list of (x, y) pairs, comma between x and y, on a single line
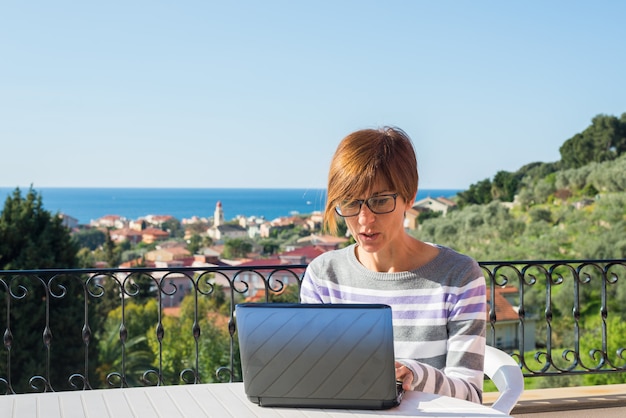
[(218, 216)]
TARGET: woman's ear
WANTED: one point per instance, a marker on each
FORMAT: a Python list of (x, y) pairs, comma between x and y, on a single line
[(410, 202)]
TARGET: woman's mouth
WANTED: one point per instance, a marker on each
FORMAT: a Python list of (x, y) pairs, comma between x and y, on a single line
[(368, 236)]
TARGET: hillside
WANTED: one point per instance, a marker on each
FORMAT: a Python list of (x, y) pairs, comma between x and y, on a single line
[(570, 209)]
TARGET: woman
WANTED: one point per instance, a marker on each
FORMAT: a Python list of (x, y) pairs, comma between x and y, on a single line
[(437, 295)]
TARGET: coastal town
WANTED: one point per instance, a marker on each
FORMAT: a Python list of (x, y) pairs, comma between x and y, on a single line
[(152, 229), (163, 242)]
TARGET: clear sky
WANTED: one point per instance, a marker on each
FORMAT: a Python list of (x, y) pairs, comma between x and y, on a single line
[(157, 93)]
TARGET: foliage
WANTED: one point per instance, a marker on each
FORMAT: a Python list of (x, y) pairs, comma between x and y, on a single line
[(504, 186), (32, 238), (609, 176), (90, 238), (179, 345), (573, 178), (197, 241), (289, 294), (540, 214), (428, 214), (85, 258), (475, 230), (130, 360), (544, 232), (532, 172), (194, 243), (604, 139), (142, 287), (133, 355), (477, 194), (237, 248), (137, 255), (173, 227), (111, 252), (269, 246), (342, 230), (593, 343)]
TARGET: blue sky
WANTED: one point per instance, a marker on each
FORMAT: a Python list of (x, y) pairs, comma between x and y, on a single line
[(259, 93)]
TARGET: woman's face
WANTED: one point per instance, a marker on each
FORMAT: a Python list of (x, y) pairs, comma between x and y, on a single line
[(377, 232)]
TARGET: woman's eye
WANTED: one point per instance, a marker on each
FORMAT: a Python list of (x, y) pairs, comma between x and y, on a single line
[(379, 201)]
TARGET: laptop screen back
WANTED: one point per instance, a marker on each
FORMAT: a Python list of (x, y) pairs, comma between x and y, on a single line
[(317, 355)]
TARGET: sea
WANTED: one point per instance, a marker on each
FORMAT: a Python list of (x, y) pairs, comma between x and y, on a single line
[(87, 204)]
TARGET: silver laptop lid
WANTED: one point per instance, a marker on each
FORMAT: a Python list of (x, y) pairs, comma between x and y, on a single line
[(317, 355)]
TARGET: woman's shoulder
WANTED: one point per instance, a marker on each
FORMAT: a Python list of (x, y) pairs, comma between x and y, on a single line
[(455, 264), (450, 254), (332, 256)]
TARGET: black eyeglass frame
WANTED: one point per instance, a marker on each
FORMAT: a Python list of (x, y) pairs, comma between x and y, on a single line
[(366, 201)]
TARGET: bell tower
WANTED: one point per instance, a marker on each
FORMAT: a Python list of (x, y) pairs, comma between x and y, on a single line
[(218, 216)]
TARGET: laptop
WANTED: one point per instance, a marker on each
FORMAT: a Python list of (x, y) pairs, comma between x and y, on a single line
[(318, 355)]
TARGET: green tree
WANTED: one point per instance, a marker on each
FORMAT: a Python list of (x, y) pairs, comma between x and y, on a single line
[(90, 238), (477, 194), (141, 287), (428, 214), (532, 172), (604, 139), (289, 294), (194, 243), (504, 186), (237, 248), (112, 255), (174, 228), (179, 344), (128, 353), (111, 370), (540, 214), (269, 246), (609, 176), (33, 238)]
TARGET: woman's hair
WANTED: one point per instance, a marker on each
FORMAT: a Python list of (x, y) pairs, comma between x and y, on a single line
[(365, 157)]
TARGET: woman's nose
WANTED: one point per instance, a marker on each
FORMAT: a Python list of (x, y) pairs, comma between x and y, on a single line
[(366, 216)]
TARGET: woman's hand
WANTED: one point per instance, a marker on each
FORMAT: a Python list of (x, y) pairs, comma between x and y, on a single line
[(404, 375)]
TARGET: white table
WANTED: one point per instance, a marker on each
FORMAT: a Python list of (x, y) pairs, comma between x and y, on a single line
[(218, 400)]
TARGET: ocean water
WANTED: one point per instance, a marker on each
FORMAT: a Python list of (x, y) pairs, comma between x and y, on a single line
[(86, 204)]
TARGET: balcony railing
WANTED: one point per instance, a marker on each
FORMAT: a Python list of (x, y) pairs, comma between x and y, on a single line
[(77, 328)]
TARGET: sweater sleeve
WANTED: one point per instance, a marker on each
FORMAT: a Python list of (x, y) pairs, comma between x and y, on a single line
[(462, 377)]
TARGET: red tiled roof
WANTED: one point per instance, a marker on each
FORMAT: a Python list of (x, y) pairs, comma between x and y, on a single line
[(155, 232), (157, 218), (261, 262), (504, 310), (310, 252), (172, 311), (126, 232), (446, 201), (111, 217)]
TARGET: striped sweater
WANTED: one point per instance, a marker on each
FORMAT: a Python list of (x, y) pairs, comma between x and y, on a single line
[(439, 314)]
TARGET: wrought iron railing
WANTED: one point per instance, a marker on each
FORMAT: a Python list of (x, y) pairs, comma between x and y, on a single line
[(555, 311), (564, 306)]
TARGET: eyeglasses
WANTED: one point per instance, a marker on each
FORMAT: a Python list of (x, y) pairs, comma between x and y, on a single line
[(379, 205)]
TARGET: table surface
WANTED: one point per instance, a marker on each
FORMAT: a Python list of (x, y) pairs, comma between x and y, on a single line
[(211, 400)]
